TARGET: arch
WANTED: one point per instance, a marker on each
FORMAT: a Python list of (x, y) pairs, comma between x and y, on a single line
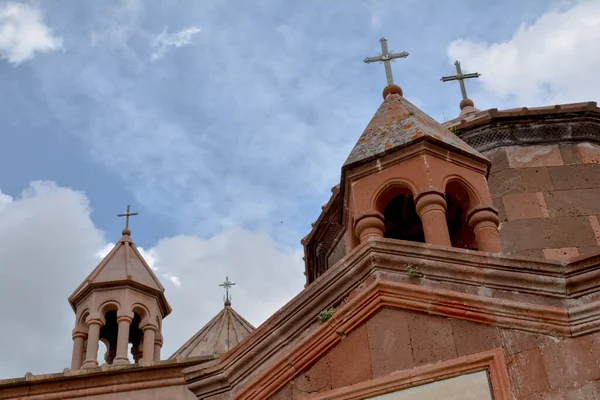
[(80, 322), (389, 190), (395, 200), (460, 198), (142, 311), (459, 181), (109, 305)]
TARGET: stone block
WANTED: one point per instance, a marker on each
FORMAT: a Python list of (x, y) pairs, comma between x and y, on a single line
[(498, 158), (569, 361), (389, 342), (569, 153), (527, 373), (430, 338), (522, 206), (567, 232), (472, 337), (316, 379), (350, 360), (516, 341), (525, 234), (536, 179), (573, 203), (562, 254), (533, 156), (589, 153), (583, 176), (505, 182)]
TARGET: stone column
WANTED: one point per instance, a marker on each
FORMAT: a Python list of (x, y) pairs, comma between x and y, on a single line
[(369, 224), (158, 342), (91, 355), (124, 321), (78, 341), (431, 207), (148, 345), (485, 222)]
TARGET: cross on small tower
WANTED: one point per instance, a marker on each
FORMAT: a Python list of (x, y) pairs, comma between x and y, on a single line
[(227, 285), (127, 215), (386, 57), (460, 77)]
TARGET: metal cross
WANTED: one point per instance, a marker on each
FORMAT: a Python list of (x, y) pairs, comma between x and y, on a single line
[(386, 57), (460, 77), (127, 215), (227, 285)]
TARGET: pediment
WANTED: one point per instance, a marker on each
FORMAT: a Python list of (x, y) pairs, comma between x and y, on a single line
[(543, 298)]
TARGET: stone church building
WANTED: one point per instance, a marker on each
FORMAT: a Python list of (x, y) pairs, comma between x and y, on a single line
[(453, 261)]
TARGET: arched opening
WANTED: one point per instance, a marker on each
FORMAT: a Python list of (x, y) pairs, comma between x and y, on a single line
[(108, 335), (401, 219), (458, 203)]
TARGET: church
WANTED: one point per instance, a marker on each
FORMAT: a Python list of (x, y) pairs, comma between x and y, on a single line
[(454, 260)]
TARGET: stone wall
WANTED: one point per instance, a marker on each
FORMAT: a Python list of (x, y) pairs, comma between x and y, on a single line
[(548, 197), (539, 366)]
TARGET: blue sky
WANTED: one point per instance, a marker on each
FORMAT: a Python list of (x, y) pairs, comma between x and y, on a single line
[(225, 124)]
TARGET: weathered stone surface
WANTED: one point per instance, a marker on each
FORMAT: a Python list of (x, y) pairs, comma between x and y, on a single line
[(569, 153), (522, 235), (471, 338), (584, 176), (567, 232), (573, 203), (350, 361), (534, 156), (389, 342), (589, 153), (522, 206), (527, 373), (431, 338)]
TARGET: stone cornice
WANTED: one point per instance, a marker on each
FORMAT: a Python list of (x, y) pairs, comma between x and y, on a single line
[(520, 293), (97, 381), (493, 128)]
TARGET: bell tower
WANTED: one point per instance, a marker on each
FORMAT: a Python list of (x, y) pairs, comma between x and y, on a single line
[(119, 303), (410, 178)]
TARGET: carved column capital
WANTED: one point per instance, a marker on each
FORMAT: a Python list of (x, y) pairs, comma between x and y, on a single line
[(484, 221), (429, 200), (369, 224), (95, 319), (479, 215), (79, 333), (124, 316)]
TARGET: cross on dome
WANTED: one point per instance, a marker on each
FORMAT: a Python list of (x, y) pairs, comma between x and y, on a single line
[(227, 285), (386, 57), (127, 214)]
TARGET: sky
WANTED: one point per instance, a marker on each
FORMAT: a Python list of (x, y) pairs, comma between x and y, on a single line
[(224, 124)]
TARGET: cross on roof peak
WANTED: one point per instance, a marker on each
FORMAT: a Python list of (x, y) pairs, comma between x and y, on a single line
[(386, 57), (127, 214), (460, 77), (227, 285)]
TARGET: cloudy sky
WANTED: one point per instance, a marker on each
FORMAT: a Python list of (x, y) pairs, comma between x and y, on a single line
[(224, 123)]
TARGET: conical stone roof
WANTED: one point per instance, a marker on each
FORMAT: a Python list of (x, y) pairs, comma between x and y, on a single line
[(216, 338), (398, 123), (124, 265)]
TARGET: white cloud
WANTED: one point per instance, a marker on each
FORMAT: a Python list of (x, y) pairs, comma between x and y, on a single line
[(178, 39), (551, 61), (50, 244), (23, 32)]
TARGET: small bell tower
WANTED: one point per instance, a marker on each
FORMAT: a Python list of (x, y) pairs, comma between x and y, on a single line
[(410, 178), (120, 302)]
